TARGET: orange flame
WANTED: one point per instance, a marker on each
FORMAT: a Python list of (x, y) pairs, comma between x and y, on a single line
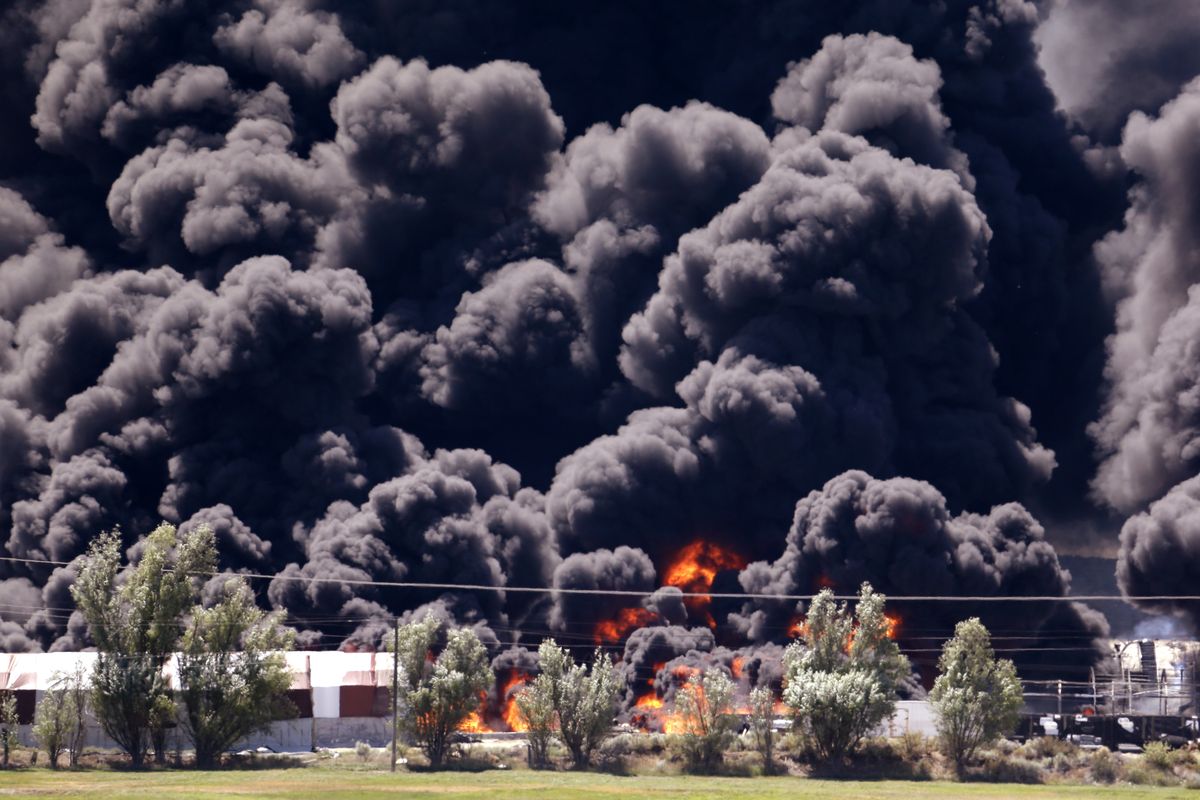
[(611, 631), (649, 705), (473, 724), (736, 666), (649, 702), (675, 722), (798, 627), (684, 672), (508, 699), (695, 568), (657, 668)]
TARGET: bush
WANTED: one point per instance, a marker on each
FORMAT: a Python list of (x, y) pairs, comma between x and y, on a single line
[(612, 755), (639, 743), (1044, 747), (1158, 756), (1104, 766), (363, 751), (1144, 774), (1005, 769), (913, 746)]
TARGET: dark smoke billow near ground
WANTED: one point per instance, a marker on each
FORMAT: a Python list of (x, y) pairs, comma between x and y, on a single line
[(449, 293)]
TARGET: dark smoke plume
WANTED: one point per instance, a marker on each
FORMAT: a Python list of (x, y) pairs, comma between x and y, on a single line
[(449, 293)]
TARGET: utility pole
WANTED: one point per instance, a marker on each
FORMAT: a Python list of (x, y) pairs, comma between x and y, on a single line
[(395, 688)]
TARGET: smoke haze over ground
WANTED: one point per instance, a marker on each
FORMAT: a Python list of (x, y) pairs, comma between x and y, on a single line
[(740, 297)]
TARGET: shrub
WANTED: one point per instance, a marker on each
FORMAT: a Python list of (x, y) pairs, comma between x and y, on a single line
[(1158, 756), (640, 743), (1143, 774), (913, 746), (1046, 747), (612, 755), (1104, 766), (363, 751), (1006, 769)]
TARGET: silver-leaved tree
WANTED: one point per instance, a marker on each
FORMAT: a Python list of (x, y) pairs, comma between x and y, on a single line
[(841, 677), (976, 698)]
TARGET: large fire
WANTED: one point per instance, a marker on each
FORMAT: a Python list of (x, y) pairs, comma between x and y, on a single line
[(610, 631), (695, 568), (508, 701), (487, 716), (693, 571), (473, 724)]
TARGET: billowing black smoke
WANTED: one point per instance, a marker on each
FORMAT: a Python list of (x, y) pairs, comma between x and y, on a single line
[(898, 535), (1148, 437), (447, 293)]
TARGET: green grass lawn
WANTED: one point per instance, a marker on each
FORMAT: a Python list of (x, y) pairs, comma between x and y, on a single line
[(320, 782)]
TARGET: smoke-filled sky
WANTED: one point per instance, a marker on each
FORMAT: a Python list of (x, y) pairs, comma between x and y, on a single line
[(541, 294)]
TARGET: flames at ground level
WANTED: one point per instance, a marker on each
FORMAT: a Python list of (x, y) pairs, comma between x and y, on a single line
[(692, 570)]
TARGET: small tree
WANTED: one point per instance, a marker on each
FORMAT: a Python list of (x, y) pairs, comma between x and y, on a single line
[(55, 719), (586, 703), (540, 699), (163, 715), (233, 679), (535, 704), (440, 694), (841, 680), (136, 625), (704, 705), (59, 723), (762, 725), (76, 689), (9, 724), (976, 698), (536, 707)]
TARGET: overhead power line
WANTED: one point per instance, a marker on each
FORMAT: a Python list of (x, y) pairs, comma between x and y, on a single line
[(637, 593)]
